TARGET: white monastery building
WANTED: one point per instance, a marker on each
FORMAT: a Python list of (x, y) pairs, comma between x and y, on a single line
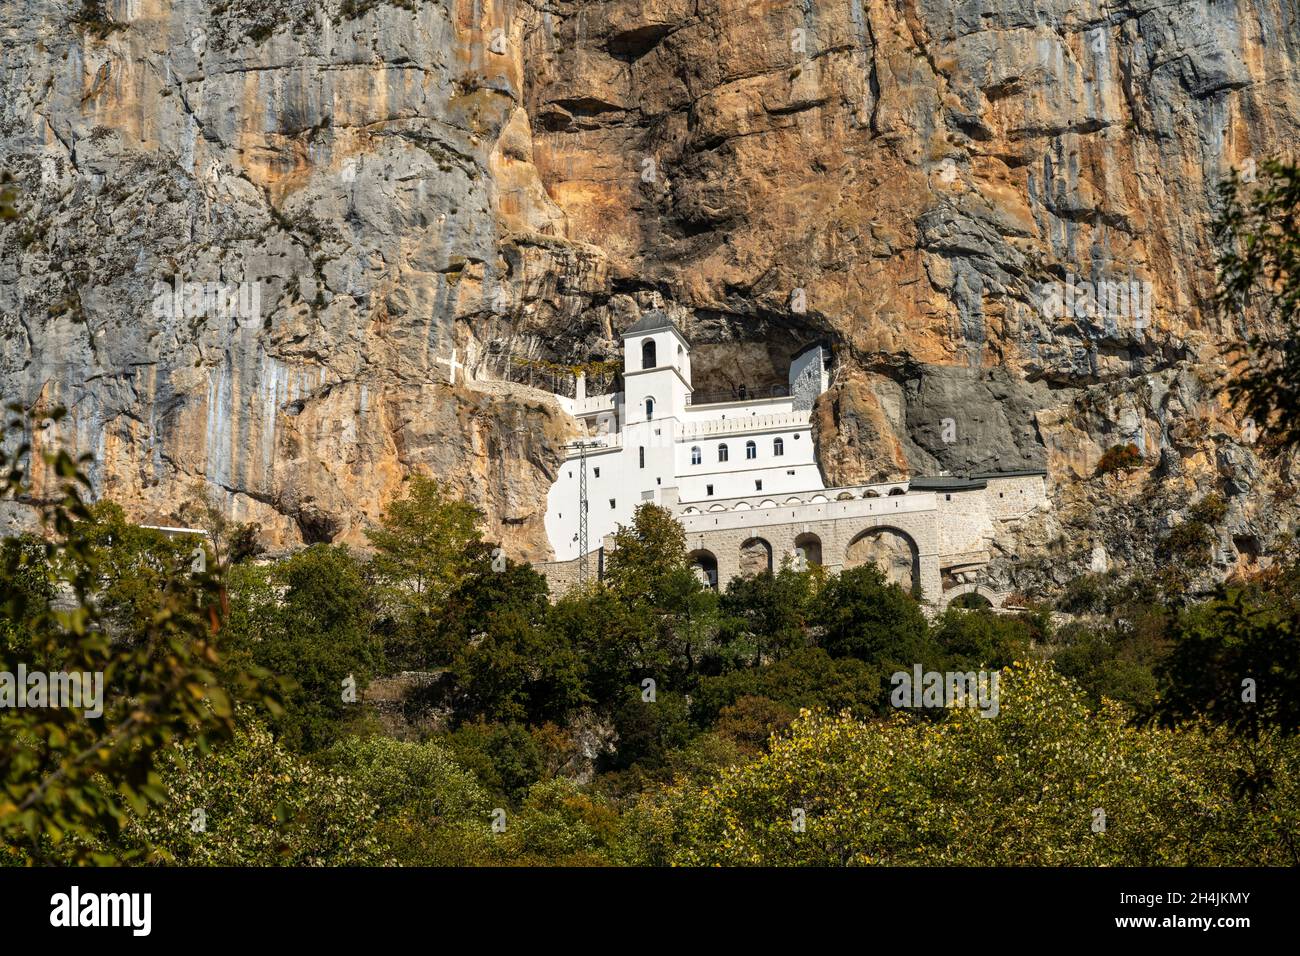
[(740, 473), (653, 437)]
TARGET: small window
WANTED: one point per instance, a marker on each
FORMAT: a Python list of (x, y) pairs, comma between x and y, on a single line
[(722, 452), (648, 354), (708, 490), (649, 409), (659, 481), (947, 497), (612, 503), (696, 455), (641, 450), (796, 436), (790, 472), (758, 485), (751, 450), (778, 446), (597, 471)]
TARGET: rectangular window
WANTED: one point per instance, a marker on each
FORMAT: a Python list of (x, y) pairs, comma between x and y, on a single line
[(611, 503), (642, 451), (758, 485), (597, 470), (708, 490)]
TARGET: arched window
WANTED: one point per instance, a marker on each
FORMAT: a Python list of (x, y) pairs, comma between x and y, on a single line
[(696, 457), (751, 450), (778, 446), (722, 452), (649, 409), (648, 353)]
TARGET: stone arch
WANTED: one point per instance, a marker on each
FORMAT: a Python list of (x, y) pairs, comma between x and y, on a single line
[(767, 503), (811, 546), (892, 550), (819, 499), (741, 506), (897, 491), (995, 598), (705, 565), (871, 493), (755, 556)]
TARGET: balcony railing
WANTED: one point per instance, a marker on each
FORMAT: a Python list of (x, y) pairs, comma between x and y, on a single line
[(740, 393)]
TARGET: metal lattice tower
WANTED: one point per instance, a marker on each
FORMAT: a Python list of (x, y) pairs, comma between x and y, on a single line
[(582, 447)]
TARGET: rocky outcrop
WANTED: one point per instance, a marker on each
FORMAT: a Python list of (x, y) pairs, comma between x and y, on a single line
[(438, 205)]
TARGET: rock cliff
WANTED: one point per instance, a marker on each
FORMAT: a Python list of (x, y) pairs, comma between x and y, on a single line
[(292, 250)]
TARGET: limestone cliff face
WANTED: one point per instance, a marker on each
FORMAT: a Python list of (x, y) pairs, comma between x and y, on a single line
[(912, 180)]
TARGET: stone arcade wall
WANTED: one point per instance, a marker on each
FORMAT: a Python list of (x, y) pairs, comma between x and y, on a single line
[(948, 529)]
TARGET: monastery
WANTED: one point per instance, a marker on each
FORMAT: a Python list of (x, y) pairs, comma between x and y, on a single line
[(739, 471)]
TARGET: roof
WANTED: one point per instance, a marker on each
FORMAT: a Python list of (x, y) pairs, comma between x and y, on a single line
[(652, 321), (1017, 473), (946, 483)]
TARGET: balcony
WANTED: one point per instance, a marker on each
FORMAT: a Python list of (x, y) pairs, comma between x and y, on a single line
[(739, 394)]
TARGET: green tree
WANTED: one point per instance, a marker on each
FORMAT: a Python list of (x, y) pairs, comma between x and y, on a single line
[(422, 549), (1048, 781), (422, 538), (307, 619), (429, 811), (648, 572), (250, 802), (70, 778), (862, 615), (767, 615), (1236, 660), (1258, 236)]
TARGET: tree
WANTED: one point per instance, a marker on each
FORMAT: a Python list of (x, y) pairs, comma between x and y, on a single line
[(250, 802), (307, 619), (1236, 660), (1049, 781), (71, 777), (862, 615), (429, 811), (421, 541), (645, 556), (421, 554), (767, 614), (647, 571), (1257, 233)]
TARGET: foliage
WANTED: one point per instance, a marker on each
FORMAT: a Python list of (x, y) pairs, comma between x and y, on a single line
[(1257, 233), (1236, 660), (429, 811), (251, 802), (808, 678), (861, 615), (421, 554), (1119, 458), (307, 619), (1024, 788), (767, 615), (71, 777)]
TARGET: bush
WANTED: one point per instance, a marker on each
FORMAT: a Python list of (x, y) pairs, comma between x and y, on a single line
[(1119, 458)]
